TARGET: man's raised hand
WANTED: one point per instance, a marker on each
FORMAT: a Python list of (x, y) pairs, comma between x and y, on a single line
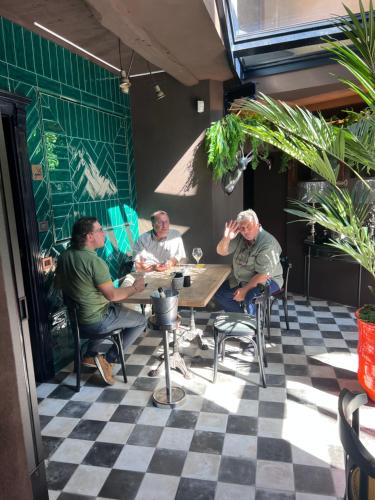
[(231, 230)]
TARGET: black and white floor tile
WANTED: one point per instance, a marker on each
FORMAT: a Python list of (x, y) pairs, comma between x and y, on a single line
[(229, 439)]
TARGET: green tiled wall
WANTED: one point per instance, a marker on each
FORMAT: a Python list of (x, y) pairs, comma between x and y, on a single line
[(79, 131)]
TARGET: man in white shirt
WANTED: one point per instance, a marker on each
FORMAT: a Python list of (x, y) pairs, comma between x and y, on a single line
[(158, 249)]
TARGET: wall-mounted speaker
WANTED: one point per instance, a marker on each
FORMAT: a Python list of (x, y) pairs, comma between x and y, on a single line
[(231, 94)]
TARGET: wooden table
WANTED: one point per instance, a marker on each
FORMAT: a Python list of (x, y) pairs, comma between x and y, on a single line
[(205, 281)]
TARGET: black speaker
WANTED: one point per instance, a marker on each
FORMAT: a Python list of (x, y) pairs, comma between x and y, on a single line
[(245, 90)]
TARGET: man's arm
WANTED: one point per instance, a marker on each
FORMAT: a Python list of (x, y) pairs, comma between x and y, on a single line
[(119, 294)]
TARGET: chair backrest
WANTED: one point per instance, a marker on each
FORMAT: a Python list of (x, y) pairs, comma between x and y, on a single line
[(358, 461), (72, 308), (287, 266)]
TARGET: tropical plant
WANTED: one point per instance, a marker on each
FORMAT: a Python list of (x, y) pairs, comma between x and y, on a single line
[(324, 147), (225, 143)]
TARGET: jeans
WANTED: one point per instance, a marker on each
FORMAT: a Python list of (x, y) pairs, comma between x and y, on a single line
[(130, 322), (224, 297)]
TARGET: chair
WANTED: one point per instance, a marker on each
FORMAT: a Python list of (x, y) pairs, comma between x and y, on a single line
[(281, 294), (114, 336), (239, 325), (359, 463)]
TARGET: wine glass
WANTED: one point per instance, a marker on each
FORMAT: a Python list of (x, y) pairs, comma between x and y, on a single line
[(197, 254)]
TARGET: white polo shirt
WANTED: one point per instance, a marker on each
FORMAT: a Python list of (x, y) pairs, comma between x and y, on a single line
[(155, 251)]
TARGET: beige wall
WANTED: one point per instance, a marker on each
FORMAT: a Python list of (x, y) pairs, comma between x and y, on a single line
[(171, 163)]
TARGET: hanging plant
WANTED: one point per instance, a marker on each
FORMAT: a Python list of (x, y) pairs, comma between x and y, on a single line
[(224, 139), (225, 142)]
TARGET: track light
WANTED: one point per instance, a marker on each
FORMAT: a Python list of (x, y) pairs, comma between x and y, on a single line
[(159, 93), (125, 83)]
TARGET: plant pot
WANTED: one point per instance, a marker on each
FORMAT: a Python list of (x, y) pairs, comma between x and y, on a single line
[(366, 355)]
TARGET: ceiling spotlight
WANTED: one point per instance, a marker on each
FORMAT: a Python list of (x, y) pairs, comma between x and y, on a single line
[(159, 93), (124, 83)]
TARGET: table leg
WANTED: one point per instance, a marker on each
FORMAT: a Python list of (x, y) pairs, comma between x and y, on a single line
[(307, 276), (194, 332), (175, 360), (168, 396)]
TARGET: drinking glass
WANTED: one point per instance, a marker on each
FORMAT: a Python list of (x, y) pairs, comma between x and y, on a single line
[(197, 254)]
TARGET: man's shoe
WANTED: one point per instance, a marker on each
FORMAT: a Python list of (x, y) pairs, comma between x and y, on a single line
[(105, 369), (89, 361)]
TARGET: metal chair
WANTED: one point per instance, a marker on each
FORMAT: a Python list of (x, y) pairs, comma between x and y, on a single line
[(114, 336), (359, 463), (281, 294), (239, 325)]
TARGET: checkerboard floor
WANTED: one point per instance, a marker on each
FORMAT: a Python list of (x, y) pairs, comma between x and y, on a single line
[(229, 439)]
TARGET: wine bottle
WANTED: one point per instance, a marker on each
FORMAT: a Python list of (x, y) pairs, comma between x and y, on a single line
[(161, 293)]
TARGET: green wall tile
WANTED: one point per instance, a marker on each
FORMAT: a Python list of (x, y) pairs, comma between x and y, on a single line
[(61, 63), (21, 75), (20, 59), (2, 41), (75, 130), (10, 52), (38, 54), (49, 85), (29, 52), (46, 58)]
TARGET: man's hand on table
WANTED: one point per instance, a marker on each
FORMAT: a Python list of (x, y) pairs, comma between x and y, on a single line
[(164, 266), (139, 284)]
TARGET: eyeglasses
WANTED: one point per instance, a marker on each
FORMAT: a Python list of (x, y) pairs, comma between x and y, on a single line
[(100, 230)]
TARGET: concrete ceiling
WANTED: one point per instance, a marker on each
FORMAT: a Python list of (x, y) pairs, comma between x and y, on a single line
[(181, 37)]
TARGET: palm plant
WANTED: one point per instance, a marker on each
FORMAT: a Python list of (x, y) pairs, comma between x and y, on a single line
[(324, 146)]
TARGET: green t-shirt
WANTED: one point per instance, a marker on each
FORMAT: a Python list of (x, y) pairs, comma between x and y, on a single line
[(78, 274), (260, 257)]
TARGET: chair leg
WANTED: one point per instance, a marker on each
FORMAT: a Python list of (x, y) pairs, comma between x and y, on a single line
[(216, 354), (261, 360), (268, 318), (77, 363), (285, 304), (264, 352), (118, 341)]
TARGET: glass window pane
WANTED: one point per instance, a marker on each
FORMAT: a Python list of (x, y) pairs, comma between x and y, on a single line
[(252, 17)]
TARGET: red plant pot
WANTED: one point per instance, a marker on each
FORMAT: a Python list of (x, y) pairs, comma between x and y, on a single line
[(366, 355)]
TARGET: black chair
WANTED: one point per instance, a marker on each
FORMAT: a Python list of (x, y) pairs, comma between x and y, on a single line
[(281, 294), (114, 336), (359, 463), (237, 325)]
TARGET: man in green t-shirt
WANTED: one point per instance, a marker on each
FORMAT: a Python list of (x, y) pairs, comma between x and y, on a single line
[(256, 261), (84, 277)]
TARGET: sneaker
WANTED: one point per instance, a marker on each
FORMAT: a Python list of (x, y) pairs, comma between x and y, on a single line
[(89, 361), (105, 369)]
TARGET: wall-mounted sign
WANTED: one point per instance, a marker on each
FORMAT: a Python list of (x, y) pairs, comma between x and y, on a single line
[(37, 172), (47, 263), (43, 226)]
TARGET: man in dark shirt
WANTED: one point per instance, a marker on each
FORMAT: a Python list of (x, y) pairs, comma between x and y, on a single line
[(84, 277)]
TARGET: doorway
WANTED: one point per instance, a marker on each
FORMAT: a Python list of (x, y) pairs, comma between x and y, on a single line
[(13, 121), (19, 416)]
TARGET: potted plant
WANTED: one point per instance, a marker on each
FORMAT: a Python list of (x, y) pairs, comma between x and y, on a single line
[(324, 147)]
